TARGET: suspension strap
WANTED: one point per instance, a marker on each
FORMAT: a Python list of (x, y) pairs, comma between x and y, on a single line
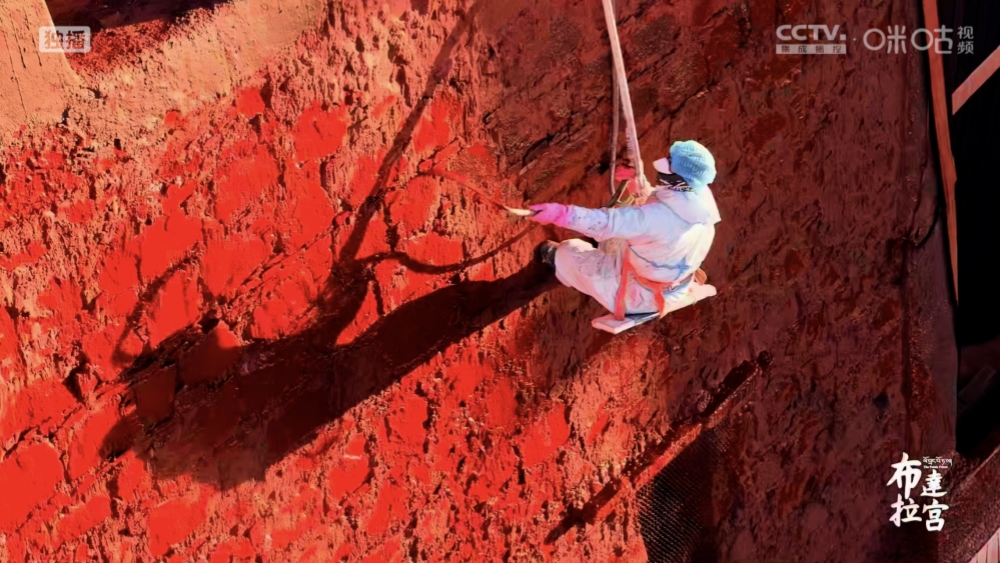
[(621, 80), (616, 102)]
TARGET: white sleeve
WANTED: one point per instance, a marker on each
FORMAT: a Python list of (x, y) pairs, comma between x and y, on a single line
[(602, 224)]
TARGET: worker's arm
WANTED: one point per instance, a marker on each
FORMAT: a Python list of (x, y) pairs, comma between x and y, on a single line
[(599, 224)]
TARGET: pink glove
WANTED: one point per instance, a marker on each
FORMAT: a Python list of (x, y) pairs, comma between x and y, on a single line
[(545, 213)]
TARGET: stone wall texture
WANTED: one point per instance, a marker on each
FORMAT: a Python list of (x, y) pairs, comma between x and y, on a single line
[(241, 322)]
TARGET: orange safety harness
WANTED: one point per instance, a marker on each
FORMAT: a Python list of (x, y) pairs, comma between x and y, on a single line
[(658, 288)]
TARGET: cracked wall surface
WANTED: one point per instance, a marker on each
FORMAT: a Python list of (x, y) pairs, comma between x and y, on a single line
[(242, 322)]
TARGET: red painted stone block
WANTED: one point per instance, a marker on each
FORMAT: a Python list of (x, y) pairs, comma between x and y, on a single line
[(375, 240), (111, 349), (130, 478), (171, 522), (102, 432), (243, 182), (389, 552), (40, 402), (353, 470), (211, 357), (319, 133), (119, 279), (433, 249), (413, 207), (177, 194), (82, 519), (364, 318), (434, 130), (500, 405), (249, 102), (363, 179), (154, 397), (308, 212), (27, 478), (8, 337), (545, 437), (600, 424), (228, 260), (238, 548), (390, 507), (165, 242), (62, 299), (294, 292), (175, 306), (407, 423)]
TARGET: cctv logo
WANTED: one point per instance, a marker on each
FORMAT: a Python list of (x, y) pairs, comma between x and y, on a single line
[(802, 33), (797, 35)]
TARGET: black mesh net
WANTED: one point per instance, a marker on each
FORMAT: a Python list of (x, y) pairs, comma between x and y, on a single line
[(681, 508)]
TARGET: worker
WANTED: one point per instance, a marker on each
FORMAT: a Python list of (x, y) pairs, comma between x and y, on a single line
[(663, 242)]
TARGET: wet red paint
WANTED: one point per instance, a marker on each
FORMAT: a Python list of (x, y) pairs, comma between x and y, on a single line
[(413, 207), (390, 501), (434, 249), (249, 102), (111, 349), (119, 281), (164, 243), (434, 131), (307, 212), (319, 132), (251, 176), (238, 549), (228, 261)]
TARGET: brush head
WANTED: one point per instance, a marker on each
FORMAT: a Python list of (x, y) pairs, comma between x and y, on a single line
[(520, 212)]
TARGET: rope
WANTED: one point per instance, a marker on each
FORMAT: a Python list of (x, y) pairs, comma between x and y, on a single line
[(616, 110), (622, 81)]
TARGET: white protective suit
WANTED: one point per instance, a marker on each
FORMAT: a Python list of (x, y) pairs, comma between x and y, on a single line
[(668, 238)]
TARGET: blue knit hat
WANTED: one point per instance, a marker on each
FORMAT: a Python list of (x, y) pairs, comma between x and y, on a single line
[(693, 162)]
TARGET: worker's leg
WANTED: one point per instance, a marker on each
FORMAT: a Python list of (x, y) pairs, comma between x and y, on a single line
[(597, 273), (581, 266)]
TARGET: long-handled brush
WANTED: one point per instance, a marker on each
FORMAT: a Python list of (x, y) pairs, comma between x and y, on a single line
[(461, 180)]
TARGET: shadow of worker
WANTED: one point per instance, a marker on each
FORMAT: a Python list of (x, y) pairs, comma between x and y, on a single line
[(276, 395)]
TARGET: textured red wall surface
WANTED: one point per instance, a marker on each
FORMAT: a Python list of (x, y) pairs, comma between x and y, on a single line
[(251, 326)]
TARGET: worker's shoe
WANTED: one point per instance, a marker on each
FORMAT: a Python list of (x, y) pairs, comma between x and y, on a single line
[(546, 252), (700, 277)]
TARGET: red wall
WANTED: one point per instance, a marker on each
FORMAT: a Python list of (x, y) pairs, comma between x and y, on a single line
[(258, 328)]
